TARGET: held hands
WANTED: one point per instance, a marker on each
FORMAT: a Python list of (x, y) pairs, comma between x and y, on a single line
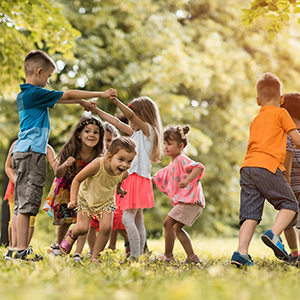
[(110, 93), (88, 105), (121, 192)]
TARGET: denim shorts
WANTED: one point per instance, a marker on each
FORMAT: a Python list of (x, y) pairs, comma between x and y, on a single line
[(30, 173), (258, 184)]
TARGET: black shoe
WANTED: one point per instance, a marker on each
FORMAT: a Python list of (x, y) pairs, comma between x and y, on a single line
[(28, 255), (8, 255)]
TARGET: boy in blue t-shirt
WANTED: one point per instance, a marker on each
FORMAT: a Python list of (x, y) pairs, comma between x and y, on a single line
[(29, 153)]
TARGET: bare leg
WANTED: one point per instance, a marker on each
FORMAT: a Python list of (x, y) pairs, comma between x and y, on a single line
[(61, 232), (245, 236), (169, 236), (14, 239), (291, 238), (123, 233), (105, 225), (113, 240), (80, 243), (283, 219), (184, 239), (30, 235), (92, 238), (22, 230)]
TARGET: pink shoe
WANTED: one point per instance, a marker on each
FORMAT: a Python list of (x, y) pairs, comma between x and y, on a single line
[(65, 247), (164, 258)]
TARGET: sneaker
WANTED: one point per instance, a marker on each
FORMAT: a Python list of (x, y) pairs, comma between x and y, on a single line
[(28, 255), (293, 260), (240, 260), (193, 260), (89, 255), (275, 243), (55, 249), (9, 254), (77, 257)]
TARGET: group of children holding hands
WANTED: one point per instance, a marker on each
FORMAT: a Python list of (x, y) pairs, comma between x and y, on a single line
[(103, 180)]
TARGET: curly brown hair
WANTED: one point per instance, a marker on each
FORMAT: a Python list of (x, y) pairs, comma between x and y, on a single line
[(178, 134)]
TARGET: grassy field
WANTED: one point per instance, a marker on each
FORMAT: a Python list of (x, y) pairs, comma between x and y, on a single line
[(61, 278)]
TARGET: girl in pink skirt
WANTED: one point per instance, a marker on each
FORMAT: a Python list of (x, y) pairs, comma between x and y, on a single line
[(180, 180), (145, 129)]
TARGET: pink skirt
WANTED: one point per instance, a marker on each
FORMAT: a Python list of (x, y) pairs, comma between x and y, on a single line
[(139, 193)]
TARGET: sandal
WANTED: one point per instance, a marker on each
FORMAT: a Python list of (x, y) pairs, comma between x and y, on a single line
[(65, 247), (164, 258), (193, 260)]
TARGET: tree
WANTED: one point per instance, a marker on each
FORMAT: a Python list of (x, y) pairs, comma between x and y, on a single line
[(277, 13)]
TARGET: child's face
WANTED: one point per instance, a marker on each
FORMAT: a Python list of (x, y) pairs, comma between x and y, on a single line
[(43, 76), (172, 148), (108, 139), (90, 135), (121, 161)]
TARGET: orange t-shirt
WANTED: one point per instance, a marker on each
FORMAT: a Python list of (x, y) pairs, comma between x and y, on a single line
[(267, 142)]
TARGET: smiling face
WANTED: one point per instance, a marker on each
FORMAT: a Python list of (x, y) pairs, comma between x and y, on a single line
[(120, 162), (172, 148), (89, 135)]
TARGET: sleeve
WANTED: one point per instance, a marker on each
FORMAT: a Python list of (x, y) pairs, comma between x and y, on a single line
[(188, 165), (287, 122), (161, 178), (46, 98)]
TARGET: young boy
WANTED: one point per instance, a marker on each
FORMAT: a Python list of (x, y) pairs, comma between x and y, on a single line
[(28, 155), (261, 174)]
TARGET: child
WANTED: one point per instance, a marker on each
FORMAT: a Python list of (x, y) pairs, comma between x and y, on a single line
[(180, 180), (111, 133), (145, 129), (262, 172), (28, 155), (85, 144), (292, 164), (9, 196), (93, 189)]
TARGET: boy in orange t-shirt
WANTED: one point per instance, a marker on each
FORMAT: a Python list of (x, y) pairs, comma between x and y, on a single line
[(262, 172)]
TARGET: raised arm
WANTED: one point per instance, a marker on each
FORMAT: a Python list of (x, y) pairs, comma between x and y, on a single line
[(131, 116), (90, 170), (8, 164), (113, 120), (71, 95)]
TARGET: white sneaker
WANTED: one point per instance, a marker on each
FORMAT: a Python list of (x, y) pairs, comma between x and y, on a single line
[(55, 249), (77, 257)]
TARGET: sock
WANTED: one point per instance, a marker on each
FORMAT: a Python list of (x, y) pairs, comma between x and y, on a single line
[(20, 251), (127, 245), (295, 252)]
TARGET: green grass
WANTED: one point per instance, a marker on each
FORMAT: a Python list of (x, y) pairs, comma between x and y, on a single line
[(61, 278)]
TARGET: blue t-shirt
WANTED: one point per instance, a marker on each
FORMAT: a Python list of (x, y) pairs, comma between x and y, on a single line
[(33, 103)]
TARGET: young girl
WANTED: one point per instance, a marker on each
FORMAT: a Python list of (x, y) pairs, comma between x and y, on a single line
[(180, 180), (111, 133), (94, 189), (85, 144), (145, 129), (9, 196)]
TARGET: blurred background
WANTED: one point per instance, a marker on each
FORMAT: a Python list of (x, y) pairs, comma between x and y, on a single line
[(194, 58)]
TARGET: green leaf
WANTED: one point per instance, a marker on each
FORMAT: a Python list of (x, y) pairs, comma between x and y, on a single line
[(297, 10), (271, 34), (272, 7), (285, 17)]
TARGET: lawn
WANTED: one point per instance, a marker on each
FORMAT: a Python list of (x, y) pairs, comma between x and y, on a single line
[(61, 278)]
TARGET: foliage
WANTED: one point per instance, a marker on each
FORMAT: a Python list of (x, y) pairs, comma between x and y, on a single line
[(61, 278), (27, 25), (277, 13)]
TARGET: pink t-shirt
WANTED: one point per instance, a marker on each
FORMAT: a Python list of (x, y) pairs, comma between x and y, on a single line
[(168, 179)]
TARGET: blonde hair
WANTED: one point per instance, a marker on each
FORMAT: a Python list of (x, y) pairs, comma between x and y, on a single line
[(146, 109), (268, 87), (37, 59)]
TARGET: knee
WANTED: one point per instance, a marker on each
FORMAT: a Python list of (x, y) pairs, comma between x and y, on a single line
[(81, 229), (167, 223), (106, 229)]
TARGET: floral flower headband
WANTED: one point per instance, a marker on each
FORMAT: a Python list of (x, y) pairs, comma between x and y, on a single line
[(89, 121), (181, 132)]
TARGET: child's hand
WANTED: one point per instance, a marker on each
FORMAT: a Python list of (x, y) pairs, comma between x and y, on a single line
[(93, 108), (72, 204), (121, 192), (70, 161), (184, 183), (88, 105), (110, 93)]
